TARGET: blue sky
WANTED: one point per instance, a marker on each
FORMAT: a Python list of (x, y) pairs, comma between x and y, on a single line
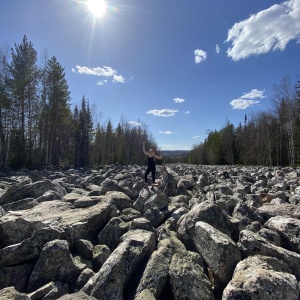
[(180, 67)]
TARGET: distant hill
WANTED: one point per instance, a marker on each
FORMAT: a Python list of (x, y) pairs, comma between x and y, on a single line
[(175, 153)]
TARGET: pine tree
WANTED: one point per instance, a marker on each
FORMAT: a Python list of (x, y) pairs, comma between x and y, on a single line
[(59, 114), (22, 84)]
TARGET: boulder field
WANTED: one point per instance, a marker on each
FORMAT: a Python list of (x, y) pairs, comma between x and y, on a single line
[(205, 232)]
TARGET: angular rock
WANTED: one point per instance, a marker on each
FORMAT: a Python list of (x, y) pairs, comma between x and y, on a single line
[(287, 210), (120, 271), (112, 232), (159, 200), (218, 250), (52, 290), (77, 296), (100, 254), (156, 273), (31, 190), (155, 216), (206, 212), (271, 236), (289, 230), (262, 277), (84, 248), (77, 223), (83, 278), (251, 243), (10, 293), (16, 276), (29, 248), (187, 278), (54, 264)]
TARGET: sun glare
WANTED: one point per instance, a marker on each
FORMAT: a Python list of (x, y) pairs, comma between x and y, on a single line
[(97, 7)]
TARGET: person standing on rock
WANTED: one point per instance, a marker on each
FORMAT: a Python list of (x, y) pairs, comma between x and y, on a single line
[(151, 164)]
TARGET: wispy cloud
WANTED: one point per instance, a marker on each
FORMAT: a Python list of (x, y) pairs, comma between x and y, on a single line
[(118, 78), (196, 137), (167, 132), (167, 112), (200, 56), (269, 29), (134, 123), (178, 100), (187, 112), (101, 82), (248, 99), (218, 49), (254, 93), (101, 72)]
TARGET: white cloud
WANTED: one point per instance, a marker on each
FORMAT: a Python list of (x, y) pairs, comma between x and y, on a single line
[(218, 49), (248, 99), (167, 132), (243, 104), (101, 82), (167, 112), (101, 72), (196, 137), (187, 112), (134, 123), (118, 78), (200, 56), (254, 93), (269, 29), (105, 71), (178, 100)]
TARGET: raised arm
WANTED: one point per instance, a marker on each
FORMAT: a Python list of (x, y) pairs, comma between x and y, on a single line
[(146, 153)]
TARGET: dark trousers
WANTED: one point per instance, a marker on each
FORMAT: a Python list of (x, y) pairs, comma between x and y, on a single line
[(152, 170)]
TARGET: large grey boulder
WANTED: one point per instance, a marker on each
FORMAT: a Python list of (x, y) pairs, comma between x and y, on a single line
[(187, 278), (206, 212), (77, 223), (111, 234), (54, 264), (269, 210), (288, 229), (16, 276), (52, 290), (10, 293), (262, 277), (31, 190), (218, 250), (121, 269), (251, 243), (29, 248), (156, 274)]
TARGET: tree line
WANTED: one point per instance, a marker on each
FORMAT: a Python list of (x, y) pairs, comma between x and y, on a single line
[(38, 127), (269, 138)]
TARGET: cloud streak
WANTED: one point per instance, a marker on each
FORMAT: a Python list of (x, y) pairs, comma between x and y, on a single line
[(167, 132), (166, 112), (134, 123), (248, 99), (101, 72), (178, 100), (268, 30)]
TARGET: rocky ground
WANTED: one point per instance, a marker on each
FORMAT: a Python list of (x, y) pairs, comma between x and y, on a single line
[(208, 232)]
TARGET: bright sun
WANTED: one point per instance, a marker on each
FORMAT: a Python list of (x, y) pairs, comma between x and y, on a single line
[(97, 7)]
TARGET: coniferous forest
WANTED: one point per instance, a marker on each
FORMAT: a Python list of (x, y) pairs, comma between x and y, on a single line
[(39, 127), (269, 138)]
